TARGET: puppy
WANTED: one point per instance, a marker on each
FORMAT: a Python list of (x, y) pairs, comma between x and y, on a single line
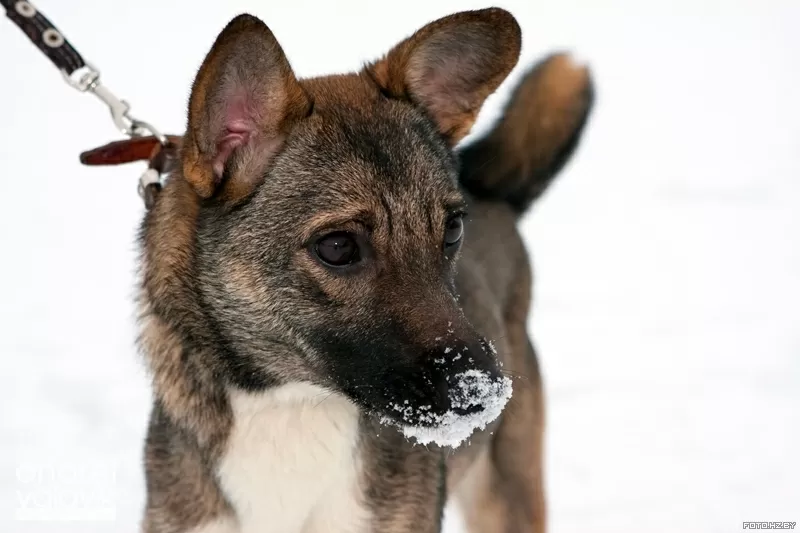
[(334, 296)]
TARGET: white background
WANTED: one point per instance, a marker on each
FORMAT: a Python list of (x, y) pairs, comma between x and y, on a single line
[(667, 254)]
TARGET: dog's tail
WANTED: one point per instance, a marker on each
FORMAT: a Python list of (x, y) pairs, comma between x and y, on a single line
[(537, 133)]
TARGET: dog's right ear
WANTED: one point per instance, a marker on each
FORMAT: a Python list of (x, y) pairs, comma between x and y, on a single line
[(243, 103)]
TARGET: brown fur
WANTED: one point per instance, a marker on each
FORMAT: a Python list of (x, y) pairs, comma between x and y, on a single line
[(406, 73), (232, 298)]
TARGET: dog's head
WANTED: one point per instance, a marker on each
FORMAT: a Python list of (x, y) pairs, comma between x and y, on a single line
[(331, 218)]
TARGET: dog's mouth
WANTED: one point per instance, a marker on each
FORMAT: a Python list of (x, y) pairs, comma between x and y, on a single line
[(474, 399)]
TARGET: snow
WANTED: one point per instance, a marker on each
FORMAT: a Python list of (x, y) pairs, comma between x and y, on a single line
[(667, 257), (473, 388)]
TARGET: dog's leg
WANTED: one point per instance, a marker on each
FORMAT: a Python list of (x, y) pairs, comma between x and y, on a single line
[(404, 482), (503, 490), (182, 494)]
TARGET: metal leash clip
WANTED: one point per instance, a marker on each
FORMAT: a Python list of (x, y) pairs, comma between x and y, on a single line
[(87, 79)]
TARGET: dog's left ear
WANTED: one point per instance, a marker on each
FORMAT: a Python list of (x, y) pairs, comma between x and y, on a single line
[(451, 65)]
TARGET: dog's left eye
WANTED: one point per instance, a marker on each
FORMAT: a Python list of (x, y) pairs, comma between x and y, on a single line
[(454, 230)]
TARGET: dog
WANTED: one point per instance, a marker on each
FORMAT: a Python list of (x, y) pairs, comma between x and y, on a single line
[(334, 295)]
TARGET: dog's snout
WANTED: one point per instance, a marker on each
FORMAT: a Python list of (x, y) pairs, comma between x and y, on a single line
[(461, 367), (458, 396), (455, 383), (476, 354)]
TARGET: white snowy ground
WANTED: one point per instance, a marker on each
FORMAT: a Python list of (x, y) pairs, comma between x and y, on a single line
[(667, 254)]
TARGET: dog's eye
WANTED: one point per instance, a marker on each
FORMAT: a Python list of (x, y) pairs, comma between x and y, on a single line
[(337, 249), (454, 230)]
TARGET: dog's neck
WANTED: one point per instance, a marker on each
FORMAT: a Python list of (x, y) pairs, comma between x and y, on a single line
[(176, 337), (199, 390)]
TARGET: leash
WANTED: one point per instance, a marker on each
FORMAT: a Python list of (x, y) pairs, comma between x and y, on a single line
[(144, 143)]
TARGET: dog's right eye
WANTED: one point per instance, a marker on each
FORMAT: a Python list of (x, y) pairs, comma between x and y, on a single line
[(337, 249)]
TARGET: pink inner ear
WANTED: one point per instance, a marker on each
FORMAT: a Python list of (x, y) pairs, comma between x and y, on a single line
[(226, 146), (238, 127)]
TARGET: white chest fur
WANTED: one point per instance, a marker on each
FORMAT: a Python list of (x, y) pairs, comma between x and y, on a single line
[(291, 463)]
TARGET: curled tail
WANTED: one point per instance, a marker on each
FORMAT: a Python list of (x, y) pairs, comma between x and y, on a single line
[(535, 136)]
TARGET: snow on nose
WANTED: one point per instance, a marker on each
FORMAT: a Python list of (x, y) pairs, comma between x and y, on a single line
[(476, 399)]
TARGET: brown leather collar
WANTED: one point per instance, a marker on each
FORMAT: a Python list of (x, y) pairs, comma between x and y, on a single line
[(162, 159)]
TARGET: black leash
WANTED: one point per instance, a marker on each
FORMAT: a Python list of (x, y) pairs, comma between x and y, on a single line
[(84, 77), (44, 35)]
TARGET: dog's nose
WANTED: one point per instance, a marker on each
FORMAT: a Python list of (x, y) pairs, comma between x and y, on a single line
[(470, 370), (460, 411), (460, 402)]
